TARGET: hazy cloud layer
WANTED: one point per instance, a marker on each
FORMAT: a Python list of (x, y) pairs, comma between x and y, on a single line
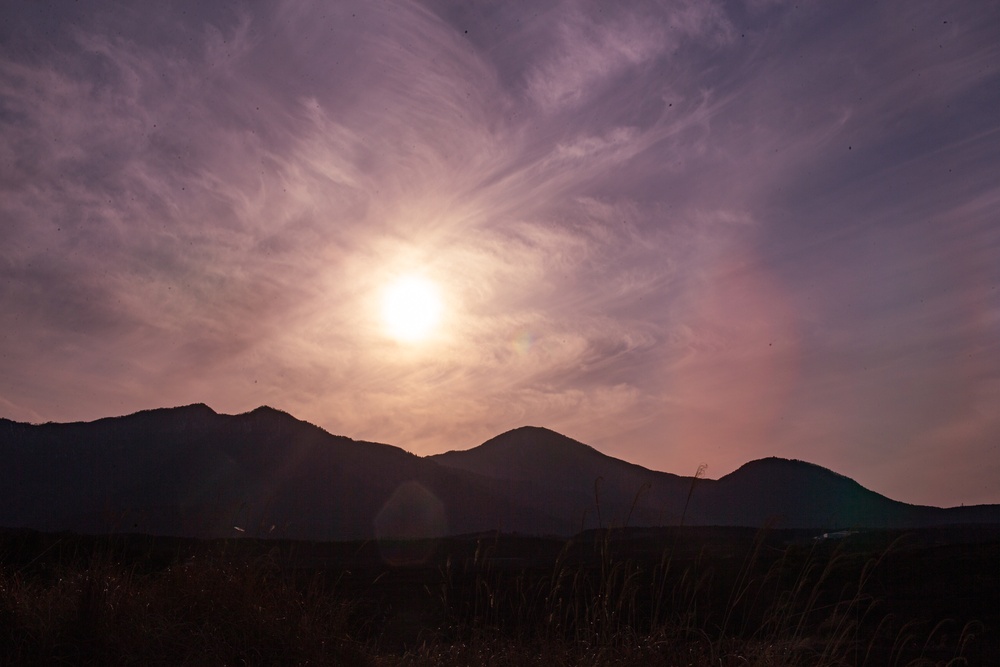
[(681, 232)]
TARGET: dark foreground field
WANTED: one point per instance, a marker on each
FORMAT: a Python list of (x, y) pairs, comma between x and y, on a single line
[(693, 596)]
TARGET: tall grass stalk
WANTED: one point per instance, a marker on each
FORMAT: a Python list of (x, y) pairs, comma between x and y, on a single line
[(598, 601)]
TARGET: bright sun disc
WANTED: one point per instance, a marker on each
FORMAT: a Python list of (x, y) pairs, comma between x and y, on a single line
[(411, 308)]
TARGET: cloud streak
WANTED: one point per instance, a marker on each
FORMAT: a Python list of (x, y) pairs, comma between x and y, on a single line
[(683, 233)]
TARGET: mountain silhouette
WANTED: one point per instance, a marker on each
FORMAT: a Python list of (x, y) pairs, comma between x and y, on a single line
[(574, 482), (799, 494), (190, 471), (569, 479)]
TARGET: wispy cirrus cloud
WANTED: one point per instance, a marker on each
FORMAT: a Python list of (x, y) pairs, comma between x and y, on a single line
[(684, 233)]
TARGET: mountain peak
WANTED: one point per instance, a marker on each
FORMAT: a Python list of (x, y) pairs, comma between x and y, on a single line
[(772, 463), (528, 452), (527, 428), (534, 437), (268, 411)]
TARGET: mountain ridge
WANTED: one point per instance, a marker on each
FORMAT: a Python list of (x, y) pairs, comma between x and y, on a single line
[(192, 471)]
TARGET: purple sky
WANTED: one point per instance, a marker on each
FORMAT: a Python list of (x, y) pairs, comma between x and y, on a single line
[(681, 232)]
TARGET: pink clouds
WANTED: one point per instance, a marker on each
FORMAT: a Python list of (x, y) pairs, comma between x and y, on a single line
[(683, 233)]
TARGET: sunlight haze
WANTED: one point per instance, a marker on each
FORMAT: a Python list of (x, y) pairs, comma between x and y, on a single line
[(680, 232), (411, 308)]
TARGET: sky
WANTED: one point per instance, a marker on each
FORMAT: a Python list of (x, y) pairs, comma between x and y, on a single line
[(681, 232)]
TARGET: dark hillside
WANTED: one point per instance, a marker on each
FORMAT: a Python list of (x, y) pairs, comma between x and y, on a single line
[(189, 471), (582, 486), (796, 494)]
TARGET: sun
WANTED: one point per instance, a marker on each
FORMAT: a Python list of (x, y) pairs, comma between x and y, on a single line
[(411, 308)]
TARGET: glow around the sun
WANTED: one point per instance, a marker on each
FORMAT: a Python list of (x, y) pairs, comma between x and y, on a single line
[(411, 308)]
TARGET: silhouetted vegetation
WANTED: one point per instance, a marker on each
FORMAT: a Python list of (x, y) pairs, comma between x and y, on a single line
[(695, 596)]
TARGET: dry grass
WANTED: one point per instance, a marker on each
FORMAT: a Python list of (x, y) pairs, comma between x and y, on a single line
[(799, 607), (194, 613)]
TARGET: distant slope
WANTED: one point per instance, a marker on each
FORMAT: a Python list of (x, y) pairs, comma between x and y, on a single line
[(796, 494), (574, 482), (190, 471), (552, 471)]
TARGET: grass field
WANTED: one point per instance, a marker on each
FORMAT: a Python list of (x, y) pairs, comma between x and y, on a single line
[(691, 596)]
